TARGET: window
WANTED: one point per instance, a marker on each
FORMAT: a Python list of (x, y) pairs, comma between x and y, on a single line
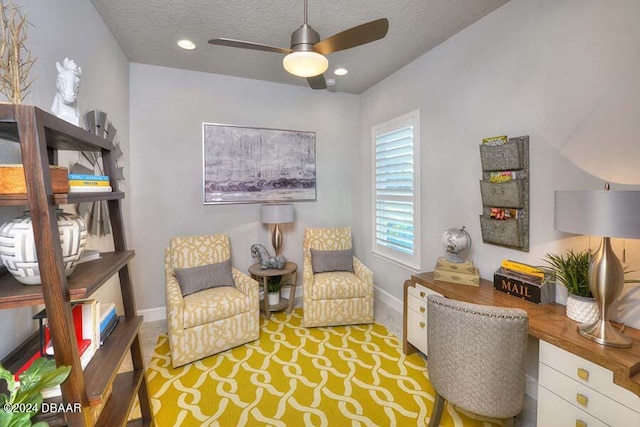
[(396, 195)]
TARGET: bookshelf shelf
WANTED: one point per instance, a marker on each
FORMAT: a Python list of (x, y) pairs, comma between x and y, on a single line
[(40, 136), (120, 403), (86, 279), (101, 371), (62, 198)]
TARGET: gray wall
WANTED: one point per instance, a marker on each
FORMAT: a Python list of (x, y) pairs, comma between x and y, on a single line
[(168, 107), (563, 72), (73, 29)]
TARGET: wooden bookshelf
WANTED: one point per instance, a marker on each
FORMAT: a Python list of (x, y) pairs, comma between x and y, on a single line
[(40, 135)]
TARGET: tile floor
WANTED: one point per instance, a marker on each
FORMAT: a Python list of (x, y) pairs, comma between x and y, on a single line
[(384, 315)]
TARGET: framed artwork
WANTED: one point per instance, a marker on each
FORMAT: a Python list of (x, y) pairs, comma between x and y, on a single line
[(256, 165)]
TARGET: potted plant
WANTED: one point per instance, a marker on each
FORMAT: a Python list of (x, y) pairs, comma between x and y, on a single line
[(571, 271), (26, 396), (274, 283)]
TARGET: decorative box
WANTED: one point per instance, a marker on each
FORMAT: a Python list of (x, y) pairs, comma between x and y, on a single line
[(12, 180), (529, 288), (463, 273)]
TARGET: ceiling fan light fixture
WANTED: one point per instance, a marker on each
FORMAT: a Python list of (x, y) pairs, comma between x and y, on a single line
[(305, 63)]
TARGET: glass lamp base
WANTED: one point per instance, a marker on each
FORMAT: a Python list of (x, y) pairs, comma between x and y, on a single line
[(603, 332)]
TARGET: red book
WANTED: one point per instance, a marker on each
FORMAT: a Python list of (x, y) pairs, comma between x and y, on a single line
[(83, 344)]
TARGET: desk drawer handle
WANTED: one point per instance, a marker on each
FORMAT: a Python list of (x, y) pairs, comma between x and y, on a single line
[(422, 309), (582, 399), (580, 423), (422, 325), (422, 294), (583, 374)]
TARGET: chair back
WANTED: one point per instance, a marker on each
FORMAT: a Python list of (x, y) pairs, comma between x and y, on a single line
[(477, 355), (325, 239), (192, 251)]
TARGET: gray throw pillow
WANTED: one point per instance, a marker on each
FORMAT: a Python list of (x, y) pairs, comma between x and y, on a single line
[(196, 279), (325, 261)]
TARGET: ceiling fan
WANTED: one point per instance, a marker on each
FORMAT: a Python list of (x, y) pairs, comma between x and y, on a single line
[(306, 57)]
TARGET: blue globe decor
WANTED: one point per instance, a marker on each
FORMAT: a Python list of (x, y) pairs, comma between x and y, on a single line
[(456, 240)]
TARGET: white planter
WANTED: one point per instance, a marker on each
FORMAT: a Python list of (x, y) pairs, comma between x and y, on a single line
[(274, 298), (581, 309), (18, 249)]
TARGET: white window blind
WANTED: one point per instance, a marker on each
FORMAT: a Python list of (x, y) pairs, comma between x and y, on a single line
[(396, 195)]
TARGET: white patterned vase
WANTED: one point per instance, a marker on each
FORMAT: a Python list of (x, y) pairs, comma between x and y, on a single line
[(582, 309), (18, 249)]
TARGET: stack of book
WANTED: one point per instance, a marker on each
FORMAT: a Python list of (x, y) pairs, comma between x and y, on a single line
[(524, 281), (93, 323), (463, 273), (80, 183), (108, 321)]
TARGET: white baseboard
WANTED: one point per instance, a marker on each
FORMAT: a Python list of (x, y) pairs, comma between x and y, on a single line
[(388, 299), (153, 314)]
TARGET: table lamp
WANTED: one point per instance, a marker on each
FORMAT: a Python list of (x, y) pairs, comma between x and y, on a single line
[(276, 214), (606, 214)]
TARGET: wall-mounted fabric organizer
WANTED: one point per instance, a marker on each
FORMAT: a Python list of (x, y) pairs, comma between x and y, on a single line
[(511, 196)]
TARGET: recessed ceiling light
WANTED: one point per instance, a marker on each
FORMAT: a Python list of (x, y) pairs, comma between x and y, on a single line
[(331, 82), (340, 71), (186, 44)]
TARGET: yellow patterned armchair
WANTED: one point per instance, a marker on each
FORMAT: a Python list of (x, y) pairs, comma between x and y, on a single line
[(211, 320), (334, 297)]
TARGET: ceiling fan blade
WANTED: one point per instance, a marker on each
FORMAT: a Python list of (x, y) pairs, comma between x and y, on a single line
[(356, 36), (317, 82), (248, 45)]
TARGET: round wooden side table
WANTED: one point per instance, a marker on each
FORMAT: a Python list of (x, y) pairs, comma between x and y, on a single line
[(290, 269)]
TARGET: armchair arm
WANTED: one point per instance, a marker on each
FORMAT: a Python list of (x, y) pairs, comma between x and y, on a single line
[(247, 286), (175, 304), (362, 271), (307, 273)]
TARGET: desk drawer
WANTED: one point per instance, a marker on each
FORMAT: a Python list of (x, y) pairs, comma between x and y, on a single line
[(587, 373), (554, 411), (421, 292), (419, 305), (586, 398), (417, 330)]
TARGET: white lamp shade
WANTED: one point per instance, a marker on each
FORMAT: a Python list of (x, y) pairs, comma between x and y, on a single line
[(276, 213), (598, 213), (305, 64)]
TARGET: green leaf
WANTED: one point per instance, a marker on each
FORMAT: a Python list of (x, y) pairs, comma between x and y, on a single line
[(8, 377), (20, 419), (44, 375)]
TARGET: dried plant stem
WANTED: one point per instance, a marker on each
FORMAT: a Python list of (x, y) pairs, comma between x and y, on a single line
[(15, 58)]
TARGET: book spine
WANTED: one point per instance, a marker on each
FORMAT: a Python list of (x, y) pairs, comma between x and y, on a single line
[(87, 182), (90, 189), (112, 325), (83, 177), (104, 323), (522, 268)]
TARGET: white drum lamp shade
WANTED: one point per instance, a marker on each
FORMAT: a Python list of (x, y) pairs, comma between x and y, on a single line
[(276, 214), (605, 214)]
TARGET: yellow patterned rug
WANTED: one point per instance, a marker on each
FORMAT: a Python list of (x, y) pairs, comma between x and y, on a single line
[(294, 376)]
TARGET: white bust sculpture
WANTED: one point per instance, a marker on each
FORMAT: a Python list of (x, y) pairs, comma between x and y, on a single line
[(67, 85)]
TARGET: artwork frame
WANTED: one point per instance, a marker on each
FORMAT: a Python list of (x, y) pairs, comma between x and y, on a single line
[(244, 164)]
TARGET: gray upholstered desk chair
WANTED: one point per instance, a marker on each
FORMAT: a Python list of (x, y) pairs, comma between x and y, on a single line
[(476, 358)]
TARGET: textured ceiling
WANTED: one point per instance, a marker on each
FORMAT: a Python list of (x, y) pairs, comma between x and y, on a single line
[(147, 31)]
